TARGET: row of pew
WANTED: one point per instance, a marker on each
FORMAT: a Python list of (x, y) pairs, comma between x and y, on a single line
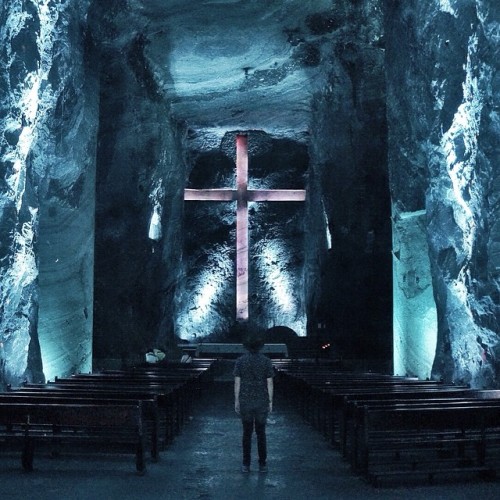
[(392, 428), (138, 410)]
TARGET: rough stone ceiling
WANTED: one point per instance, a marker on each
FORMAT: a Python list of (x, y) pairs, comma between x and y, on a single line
[(239, 64)]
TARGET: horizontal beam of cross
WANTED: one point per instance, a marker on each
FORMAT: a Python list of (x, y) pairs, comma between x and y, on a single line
[(228, 194)]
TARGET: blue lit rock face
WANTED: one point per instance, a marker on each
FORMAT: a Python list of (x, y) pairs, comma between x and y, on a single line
[(48, 121), (414, 308), (443, 97), (19, 204), (67, 200)]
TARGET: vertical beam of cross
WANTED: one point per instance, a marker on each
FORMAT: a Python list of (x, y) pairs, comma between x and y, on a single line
[(242, 195), (241, 228)]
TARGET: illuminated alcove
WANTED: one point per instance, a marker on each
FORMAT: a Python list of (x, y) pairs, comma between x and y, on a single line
[(415, 316), (273, 289)]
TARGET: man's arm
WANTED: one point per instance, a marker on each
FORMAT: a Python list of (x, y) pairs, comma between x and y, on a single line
[(270, 391), (237, 384)]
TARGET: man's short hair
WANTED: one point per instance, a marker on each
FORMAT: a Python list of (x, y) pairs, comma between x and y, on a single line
[(254, 342)]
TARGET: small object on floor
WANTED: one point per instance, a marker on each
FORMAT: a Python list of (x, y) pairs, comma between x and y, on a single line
[(245, 468), (262, 468)]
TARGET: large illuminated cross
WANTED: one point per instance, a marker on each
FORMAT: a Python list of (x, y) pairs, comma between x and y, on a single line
[(243, 195)]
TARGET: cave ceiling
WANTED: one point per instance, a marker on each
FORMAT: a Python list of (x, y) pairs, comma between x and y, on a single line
[(236, 64)]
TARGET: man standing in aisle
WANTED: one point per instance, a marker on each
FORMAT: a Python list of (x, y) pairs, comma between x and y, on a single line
[(253, 399)]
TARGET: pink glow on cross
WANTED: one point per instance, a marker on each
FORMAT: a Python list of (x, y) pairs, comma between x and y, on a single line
[(241, 228), (243, 195)]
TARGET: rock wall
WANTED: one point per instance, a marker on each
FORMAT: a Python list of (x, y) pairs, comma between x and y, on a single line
[(414, 308), (48, 125), (443, 93), (140, 182), (348, 157)]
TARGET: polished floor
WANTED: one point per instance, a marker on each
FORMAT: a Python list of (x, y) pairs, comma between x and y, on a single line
[(204, 463)]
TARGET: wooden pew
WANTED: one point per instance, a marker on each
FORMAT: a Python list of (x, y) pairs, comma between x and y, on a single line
[(171, 396), (352, 398), (160, 392), (319, 392), (29, 422), (204, 368), (43, 394), (183, 383), (427, 438), (361, 412), (186, 385), (195, 381)]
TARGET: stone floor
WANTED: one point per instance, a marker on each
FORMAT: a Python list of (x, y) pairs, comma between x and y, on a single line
[(204, 463)]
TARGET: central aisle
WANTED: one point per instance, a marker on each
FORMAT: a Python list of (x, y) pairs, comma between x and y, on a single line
[(300, 462), (302, 465)]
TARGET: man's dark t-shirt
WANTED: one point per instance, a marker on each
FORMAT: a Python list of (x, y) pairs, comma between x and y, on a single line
[(254, 369)]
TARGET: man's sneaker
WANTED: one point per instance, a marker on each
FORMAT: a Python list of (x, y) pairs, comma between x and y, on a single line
[(245, 468), (262, 468)]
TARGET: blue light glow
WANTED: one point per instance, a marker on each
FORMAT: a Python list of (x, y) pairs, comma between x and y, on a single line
[(155, 232), (156, 197), (327, 228), (22, 273), (414, 309), (28, 105), (271, 257), (201, 314), (445, 6), (280, 284)]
